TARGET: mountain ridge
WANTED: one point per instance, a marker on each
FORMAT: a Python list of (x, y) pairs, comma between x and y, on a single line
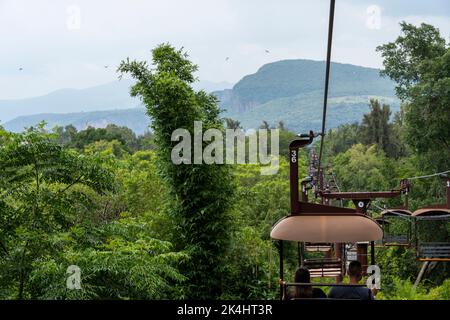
[(288, 78), (288, 90), (107, 96)]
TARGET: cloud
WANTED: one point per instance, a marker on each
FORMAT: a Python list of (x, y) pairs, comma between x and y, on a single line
[(35, 35)]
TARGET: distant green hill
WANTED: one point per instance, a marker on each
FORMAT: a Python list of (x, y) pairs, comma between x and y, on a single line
[(290, 91), (289, 78)]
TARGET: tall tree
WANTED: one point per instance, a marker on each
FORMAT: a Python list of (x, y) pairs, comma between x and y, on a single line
[(403, 59), (111, 132), (44, 190), (264, 125), (419, 61), (65, 134), (342, 138), (375, 127), (232, 124), (200, 193)]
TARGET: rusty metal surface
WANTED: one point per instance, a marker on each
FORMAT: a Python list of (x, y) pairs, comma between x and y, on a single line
[(361, 195), (293, 159)]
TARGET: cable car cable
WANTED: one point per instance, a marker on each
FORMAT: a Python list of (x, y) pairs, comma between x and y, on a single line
[(327, 78), (393, 212), (429, 175)]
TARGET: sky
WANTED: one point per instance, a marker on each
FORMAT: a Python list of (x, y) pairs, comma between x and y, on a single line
[(48, 45)]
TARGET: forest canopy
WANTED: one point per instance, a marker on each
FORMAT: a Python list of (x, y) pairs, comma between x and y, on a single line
[(140, 227)]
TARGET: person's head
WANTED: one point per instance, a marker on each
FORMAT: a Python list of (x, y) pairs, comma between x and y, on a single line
[(355, 270), (302, 276)]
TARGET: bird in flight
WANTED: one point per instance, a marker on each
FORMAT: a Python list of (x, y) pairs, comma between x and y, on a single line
[(267, 51), (106, 67), (227, 58), (20, 69)]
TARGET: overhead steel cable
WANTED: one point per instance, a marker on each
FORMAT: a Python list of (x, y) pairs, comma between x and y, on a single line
[(407, 216), (327, 78), (429, 175), (337, 186), (437, 217)]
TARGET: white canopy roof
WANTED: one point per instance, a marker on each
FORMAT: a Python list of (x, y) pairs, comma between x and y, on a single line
[(327, 228)]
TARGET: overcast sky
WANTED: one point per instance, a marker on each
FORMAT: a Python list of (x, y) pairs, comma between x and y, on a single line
[(66, 44)]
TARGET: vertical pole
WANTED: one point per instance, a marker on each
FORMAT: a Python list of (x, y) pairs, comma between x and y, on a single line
[(294, 179), (321, 183), (302, 247), (416, 236), (410, 231), (448, 193), (293, 172), (404, 187), (338, 253), (372, 252), (421, 273), (281, 268), (361, 249), (406, 200)]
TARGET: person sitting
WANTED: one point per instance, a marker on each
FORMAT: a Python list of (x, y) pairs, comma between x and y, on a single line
[(352, 292), (302, 276)]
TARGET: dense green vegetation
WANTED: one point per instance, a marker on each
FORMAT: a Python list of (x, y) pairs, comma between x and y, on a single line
[(301, 113), (133, 118), (140, 227), (419, 62), (377, 153)]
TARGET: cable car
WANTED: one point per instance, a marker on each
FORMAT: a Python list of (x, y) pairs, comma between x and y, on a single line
[(433, 230), (397, 227), (432, 234), (318, 223)]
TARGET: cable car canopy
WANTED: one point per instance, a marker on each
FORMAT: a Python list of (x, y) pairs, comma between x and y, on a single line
[(334, 227), (396, 212), (431, 212)]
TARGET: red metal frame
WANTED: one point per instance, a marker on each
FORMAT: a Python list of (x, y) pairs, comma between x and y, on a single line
[(298, 206), (360, 199)]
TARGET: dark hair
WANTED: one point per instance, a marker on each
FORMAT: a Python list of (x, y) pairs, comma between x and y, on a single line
[(302, 276), (354, 269)]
